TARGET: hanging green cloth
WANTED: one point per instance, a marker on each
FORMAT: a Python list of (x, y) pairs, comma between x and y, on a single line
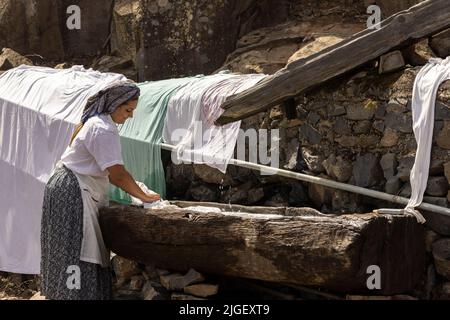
[(141, 136)]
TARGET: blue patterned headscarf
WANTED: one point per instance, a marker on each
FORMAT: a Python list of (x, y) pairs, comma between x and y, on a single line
[(110, 98)]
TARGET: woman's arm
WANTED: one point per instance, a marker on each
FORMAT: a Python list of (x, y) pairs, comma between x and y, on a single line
[(120, 177)]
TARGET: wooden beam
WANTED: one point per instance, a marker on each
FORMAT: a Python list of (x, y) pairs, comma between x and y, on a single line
[(301, 246), (399, 30)]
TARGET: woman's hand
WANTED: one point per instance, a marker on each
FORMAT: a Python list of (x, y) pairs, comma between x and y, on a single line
[(120, 177), (151, 197)]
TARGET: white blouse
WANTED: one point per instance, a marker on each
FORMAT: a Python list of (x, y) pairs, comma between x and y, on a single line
[(95, 148)]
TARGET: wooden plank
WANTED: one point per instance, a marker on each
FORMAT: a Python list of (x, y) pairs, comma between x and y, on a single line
[(399, 30), (310, 250)]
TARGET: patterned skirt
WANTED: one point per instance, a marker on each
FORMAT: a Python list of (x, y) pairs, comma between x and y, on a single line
[(63, 275)]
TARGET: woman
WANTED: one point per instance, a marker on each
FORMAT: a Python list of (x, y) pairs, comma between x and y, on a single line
[(75, 261)]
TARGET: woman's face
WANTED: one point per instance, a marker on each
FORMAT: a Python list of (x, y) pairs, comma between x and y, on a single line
[(125, 111)]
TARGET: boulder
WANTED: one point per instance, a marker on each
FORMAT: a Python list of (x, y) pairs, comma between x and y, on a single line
[(391, 62), (124, 268), (212, 175), (10, 59), (389, 164), (202, 290), (440, 44), (93, 36), (178, 282), (338, 168), (125, 29), (367, 170), (315, 45)]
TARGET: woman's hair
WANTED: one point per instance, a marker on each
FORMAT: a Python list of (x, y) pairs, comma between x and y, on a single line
[(107, 101)]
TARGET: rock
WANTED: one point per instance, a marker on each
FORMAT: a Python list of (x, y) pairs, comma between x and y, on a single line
[(345, 202), (95, 15), (399, 121), (405, 190), (442, 111), (277, 201), (276, 113), (33, 27), (63, 65), (125, 27), (441, 255), (315, 46), (313, 118), (347, 141), (204, 193), (115, 64), (292, 151), (313, 160), (419, 53), (342, 127), (443, 138), (319, 194), (151, 272), (154, 291), (392, 185), (298, 196), (255, 195), (178, 282), (136, 283), (338, 168), (179, 178), (390, 138), (358, 112), (237, 194), (124, 268), (389, 164), (212, 175), (439, 201), (162, 272), (447, 171), (378, 125), (404, 167), (436, 167), (37, 296), (367, 170), (440, 44), (437, 222), (310, 134), (430, 238), (10, 59), (391, 62), (335, 111), (181, 38), (395, 106), (202, 290), (437, 186), (362, 127)]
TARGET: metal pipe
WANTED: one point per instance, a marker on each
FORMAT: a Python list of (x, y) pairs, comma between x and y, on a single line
[(330, 183)]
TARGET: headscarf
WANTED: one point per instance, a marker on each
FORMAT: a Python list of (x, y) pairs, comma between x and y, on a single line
[(110, 98), (107, 101)]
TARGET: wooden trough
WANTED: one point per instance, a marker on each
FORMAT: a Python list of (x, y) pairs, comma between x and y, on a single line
[(287, 245)]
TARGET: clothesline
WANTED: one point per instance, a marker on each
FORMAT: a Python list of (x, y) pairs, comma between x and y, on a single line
[(329, 183)]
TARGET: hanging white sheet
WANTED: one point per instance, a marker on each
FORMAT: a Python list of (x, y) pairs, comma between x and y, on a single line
[(39, 108), (191, 113), (425, 90)]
